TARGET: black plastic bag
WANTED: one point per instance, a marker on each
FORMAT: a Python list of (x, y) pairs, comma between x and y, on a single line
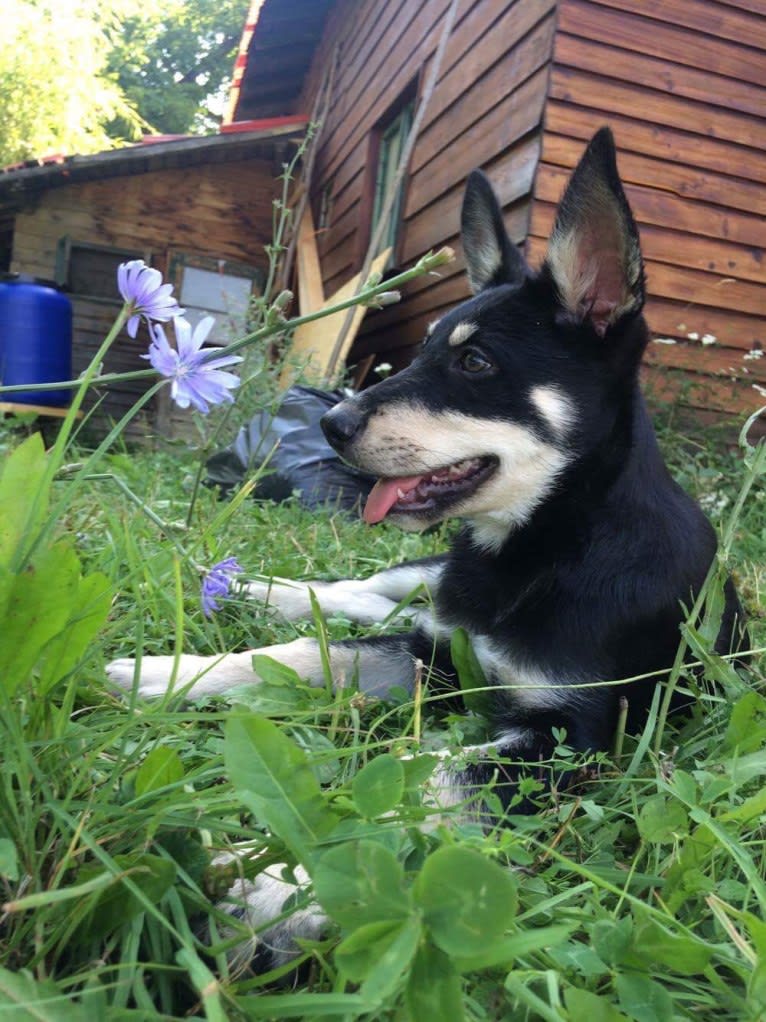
[(300, 461)]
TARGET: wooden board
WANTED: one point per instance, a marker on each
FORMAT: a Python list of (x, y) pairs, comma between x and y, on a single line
[(631, 30), (18, 408), (313, 343), (310, 291)]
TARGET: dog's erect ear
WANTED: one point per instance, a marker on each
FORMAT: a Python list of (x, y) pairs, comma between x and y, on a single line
[(491, 257), (593, 254)]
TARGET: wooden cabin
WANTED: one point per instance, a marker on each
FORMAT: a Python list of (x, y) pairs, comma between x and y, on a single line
[(523, 85), (198, 209)]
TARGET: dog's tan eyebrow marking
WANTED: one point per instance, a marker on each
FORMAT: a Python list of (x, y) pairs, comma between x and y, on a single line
[(556, 408), (461, 333)]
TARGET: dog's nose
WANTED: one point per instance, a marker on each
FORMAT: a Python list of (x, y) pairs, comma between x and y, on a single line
[(341, 424)]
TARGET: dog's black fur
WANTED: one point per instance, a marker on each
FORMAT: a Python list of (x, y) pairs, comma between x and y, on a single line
[(592, 583)]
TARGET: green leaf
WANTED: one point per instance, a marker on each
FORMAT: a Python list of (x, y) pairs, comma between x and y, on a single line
[(87, 617), (161, 767), (323, 756), (747, 725), (434, 990), (22, 507), (583, 1006), (517, 945), (643, 999), (742, 769), (750, 809), (272, 672), (274, 779), (117, 905), (23, 999), (469, 673), (34, 608), (377, 956), (578, 957), (186, 849), (379, 786), (662, 820), (9, 860), (280, 1006), (612, 939), (675, 952), (417, 770), (361, 882), (467, 900), (358, 954)]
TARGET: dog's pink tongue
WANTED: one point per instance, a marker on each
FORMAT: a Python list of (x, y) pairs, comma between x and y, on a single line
[(384, 495)]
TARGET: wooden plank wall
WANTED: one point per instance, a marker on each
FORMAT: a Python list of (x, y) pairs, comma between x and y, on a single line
[(683, 85), (222, 210), (486, 111)]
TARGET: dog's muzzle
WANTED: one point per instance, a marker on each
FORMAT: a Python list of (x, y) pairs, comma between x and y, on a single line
[(341, 424)]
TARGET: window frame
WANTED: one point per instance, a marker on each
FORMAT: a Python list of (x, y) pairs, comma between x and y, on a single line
[(372, 195), (63, 268)]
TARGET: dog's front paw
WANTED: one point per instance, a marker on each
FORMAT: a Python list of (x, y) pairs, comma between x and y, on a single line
[(196, 675), (283, 597), (154, 678), (258, 904)]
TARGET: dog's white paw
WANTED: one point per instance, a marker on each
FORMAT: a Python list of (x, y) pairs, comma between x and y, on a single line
[(197, 675), (289, 600), (292, 600), (257, 904)]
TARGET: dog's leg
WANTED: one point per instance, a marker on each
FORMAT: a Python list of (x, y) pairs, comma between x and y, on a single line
[(379, 664), (367, 601)]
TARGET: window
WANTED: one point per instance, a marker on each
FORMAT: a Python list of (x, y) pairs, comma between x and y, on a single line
[(91, 270), (325, 206), (391, 142), (221, 288)]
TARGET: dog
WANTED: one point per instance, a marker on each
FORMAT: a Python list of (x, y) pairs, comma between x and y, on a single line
[(522, 416)]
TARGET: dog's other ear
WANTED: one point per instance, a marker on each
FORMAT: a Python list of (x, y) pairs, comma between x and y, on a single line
[(593, 254), (491, 257)]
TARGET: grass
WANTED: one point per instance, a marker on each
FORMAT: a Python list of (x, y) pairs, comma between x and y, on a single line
[(638, 895)]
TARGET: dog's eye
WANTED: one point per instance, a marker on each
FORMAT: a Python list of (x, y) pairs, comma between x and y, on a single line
[(472, 361)]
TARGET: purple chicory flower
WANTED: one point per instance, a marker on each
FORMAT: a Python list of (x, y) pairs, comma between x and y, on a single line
[(145, 295), (197, 377), (216, 584)]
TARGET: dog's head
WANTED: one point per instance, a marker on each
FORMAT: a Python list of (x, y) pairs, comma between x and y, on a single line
[(520, 381)]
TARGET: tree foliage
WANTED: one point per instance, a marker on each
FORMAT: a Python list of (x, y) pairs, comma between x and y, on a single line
[(55, 90), (90, 74), (174, 61)]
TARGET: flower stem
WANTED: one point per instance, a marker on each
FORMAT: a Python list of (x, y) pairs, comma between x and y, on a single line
[(94, 381), (425, 265), (57, 452)]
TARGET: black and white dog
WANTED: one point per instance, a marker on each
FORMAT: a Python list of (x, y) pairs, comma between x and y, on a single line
[(523, 417)]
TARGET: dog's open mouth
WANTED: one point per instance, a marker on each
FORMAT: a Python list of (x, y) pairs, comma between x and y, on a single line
[(425, 493)]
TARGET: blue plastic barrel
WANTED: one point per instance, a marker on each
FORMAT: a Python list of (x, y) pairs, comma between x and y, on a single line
[(35, 339)]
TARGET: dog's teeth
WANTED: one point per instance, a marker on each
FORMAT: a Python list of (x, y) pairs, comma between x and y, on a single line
[(455, 470)]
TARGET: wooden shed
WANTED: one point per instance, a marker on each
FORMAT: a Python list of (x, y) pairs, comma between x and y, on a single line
[(522, 86), (198, 209)]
